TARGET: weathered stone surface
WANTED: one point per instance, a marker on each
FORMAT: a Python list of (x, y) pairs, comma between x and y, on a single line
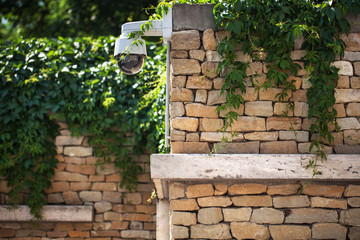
[(298, 54), (259, 108), (279, 147), (201, 96), (254, 68), (185, 123), (220, 189), (179, 54), (179, 232), (177, 109), (250, 95), (352, 191), (347, 149), (308, 215), (72, 198), (247, 147), (298, 136), (357, 68), (267, 216), (352, 41), (67, 176), (200, 110), (243, 57), (348, 123), (99, 186), (262, 136), (221, 35), (113, 197), (190, 147), (199, 190), (354, 233), (355, 82), (244, 230), (343, 82), (215, 97), (298, 96), (209, 69), (218, 83), (239, 111), (354, 201), (209, 39), (7, 233), (102, 206), (252, 201), (351, 56), (340, 110), (283, 109), (216, 231), (178, 81), (324, 190), (320, 202), (197, 54), (249, 124), (288, 232), (192, 137), (291, 202), (198, 82), (185, 40), (345, 68), (210, 125), (184, 205), (181, 95), (305, 148), (84, 169), (270, 94), (132, 198), (90, 196), (306, 84), (213, 56), (185, 66), (350, 217), (68, 140), (278, 123), (135, 234), (80, 186), (301, 109), (237, 214), (338, 138), (55, 198), (219, 136), (78, 151), (247, 188), (285, 189), (214, 201), (353, 109), (329, 231), (56, 187), (183, 218), (347, 95), (210, 215)]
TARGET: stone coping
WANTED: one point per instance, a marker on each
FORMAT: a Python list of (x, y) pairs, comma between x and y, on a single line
[(50, 213), (269, 167)]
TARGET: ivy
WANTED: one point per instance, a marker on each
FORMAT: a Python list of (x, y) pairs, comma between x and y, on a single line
[(44, 81)]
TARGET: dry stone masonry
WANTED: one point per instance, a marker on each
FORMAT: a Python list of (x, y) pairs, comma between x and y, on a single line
[(261, 127)]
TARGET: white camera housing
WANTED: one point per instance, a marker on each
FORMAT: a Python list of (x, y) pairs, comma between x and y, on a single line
[(131, 53)]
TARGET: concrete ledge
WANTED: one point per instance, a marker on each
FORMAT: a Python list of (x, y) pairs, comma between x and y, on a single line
[(186, 167), (50, 213)]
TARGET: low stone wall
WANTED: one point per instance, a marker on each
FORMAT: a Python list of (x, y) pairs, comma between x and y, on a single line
[(223, 210), (118, 214)]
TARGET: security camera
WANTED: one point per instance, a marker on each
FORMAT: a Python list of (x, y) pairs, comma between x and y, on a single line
[(131, 53)]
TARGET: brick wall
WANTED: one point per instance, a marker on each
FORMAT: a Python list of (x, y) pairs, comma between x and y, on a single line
[(195, 94), (78, 181), (217, 210)]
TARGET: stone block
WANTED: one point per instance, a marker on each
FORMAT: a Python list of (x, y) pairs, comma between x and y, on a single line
[(209, 69), (142, 234), (343, 82), (244, 230), (78, 151), (340, 110), (220, 189), (213, 56), (113, 197), (220, 136), (267, 216), (177, 135), (281, 232), (291, 201), (221, 35), (201, 96), (71, 198), (298, 136), (178, 81), (306, 84), (183, 218), (5, 233), (199, 190), (209, 215), (283, 109), (23, 233), (80, 186), (354, 233), (348, 123), (57, 187), (279, 147), (299, 96), (55, 198), (218, 83), (200, 110), (214, 201), (247, 188), (305, 148), (320, 202), (90, 196), (210, 125), (329, 231), (102, 206), (192, 137), (249, 124), (132, 198), (324, 190), (259, 108), (151, 209), (68, 140), (345, 68), (357, 68), (297, 54), (185, 66), (250, 95), (254, 68), (278, 123), (241, 57), (252, 201), (262, 136), (74, 160), (352, 191), (176, 190), (197, 54), (351, 56), (355, 82), (138, 217), (301, 109), (179, 232), (177, 109), (350, 217), (78, 234), (209, 41), (239, 111), (347, 149), (353, 109), (237, 214), (190, 147), (179, 54), (67, 176), (83, 169), (216, 231), (271, 94), (198, 82), (354, 202), (347, 95), (185, 40), (247, 147), (181, 95), (215, 97), (352, 41), (308, 215), (185, 123), (184, 205), (284, 189)]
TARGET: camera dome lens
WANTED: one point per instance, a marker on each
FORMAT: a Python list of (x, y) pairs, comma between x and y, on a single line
[(131, 64)]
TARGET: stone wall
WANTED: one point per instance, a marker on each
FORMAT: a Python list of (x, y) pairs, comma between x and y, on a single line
[(217, 210), (195, 94), (118, 214)]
